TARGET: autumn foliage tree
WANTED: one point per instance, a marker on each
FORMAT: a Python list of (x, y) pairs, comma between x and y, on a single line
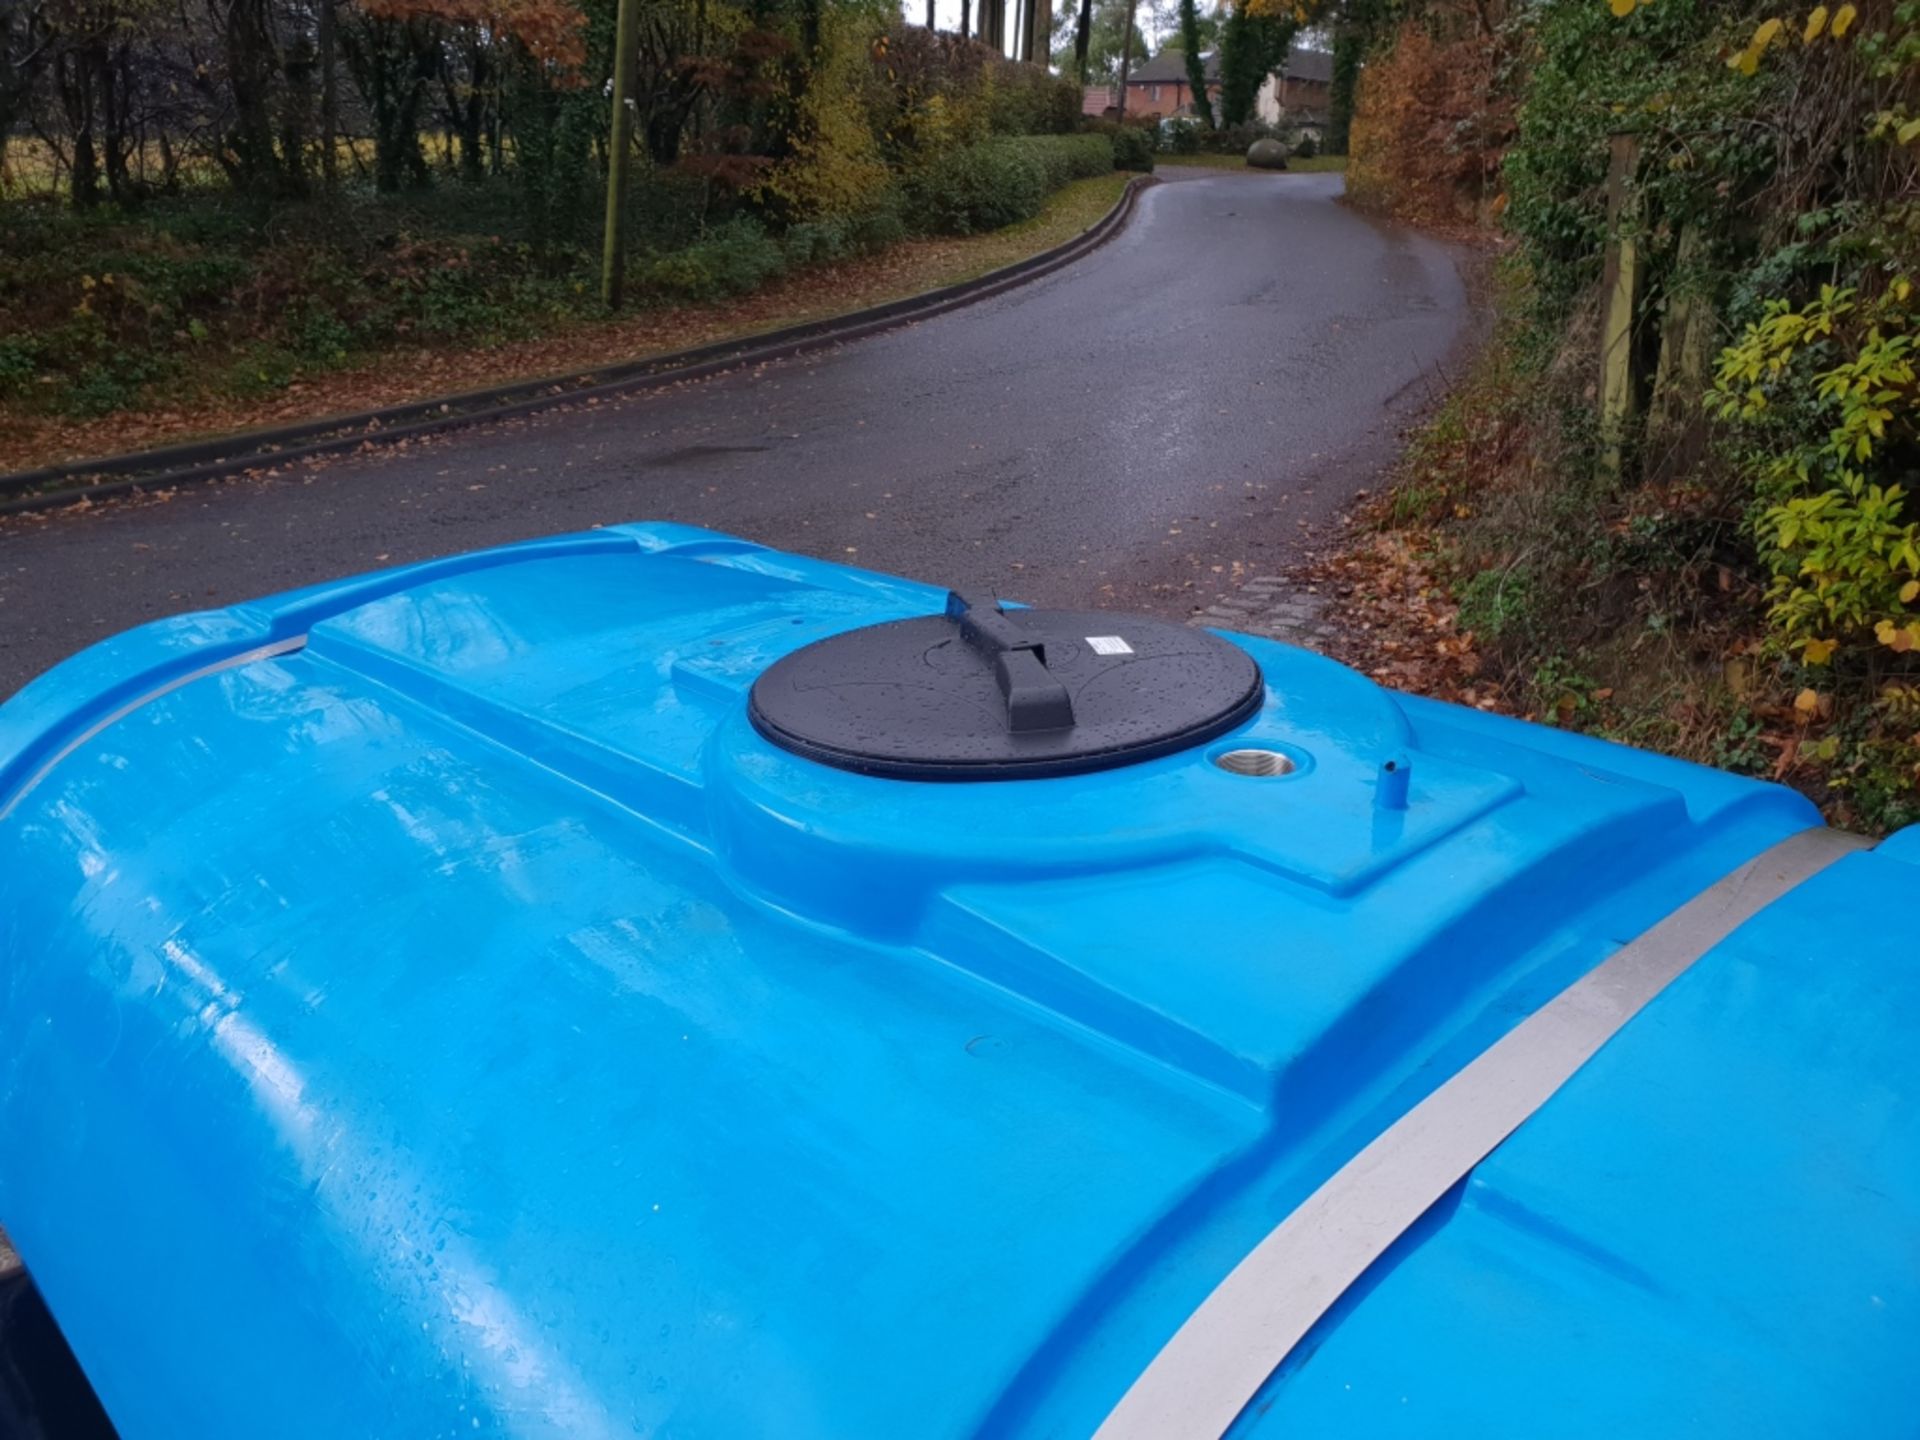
[(1437, 120)]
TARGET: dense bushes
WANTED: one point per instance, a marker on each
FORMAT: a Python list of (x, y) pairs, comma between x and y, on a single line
[(1435, 118), (1237, 139), (999, 182), (1133, 148), (1066, 158), (748, 163), (1195, 138), (1726, 563), (1770, 200), (736, 258), (978, 187), (94, 309), (1026, 100), (741, 255)]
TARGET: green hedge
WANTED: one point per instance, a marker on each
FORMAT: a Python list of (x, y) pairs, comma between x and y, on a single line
[(1067, 158), (1000, 182), (739, 256), (1132, 148), (733, 259), (973, 188), (1026, 100)]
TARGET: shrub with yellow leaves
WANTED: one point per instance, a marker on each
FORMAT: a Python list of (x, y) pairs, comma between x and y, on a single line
[(1836, 529), (1774, 31)]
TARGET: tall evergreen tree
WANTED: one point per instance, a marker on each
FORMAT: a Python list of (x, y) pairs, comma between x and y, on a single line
[(1348, 46), (1253, 45), (1196, 62)]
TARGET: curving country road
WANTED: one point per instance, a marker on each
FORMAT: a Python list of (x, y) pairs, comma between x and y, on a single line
[(1143, 429)]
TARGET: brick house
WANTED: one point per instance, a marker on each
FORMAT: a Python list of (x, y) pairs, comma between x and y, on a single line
[(1302, 91)]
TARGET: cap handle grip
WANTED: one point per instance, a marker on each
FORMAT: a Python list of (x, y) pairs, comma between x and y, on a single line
[(1035, 700)]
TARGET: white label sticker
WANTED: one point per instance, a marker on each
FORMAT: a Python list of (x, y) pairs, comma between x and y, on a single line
[(1109, 645)]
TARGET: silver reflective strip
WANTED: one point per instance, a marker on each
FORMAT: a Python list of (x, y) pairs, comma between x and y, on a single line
[(232, 662), (1199, 1383)]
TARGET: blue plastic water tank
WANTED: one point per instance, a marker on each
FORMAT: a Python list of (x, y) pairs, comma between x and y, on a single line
[(432, 1007)]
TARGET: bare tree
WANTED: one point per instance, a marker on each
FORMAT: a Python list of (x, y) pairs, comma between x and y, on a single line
[(26, 43), (327, 22)]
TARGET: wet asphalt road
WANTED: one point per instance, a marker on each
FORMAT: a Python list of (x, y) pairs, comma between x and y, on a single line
[(1141, 429)]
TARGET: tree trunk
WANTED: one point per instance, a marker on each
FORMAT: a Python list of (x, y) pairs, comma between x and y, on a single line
[(296, 113), (1082, 38), (73, 79), (329, 100), (1196, 62), (966, 18), (473, 116), (113, 130), (169, 164), (1039, 30), (251, 69), (1347, 46), (788, 133), (25, 47), (1126, 55), (410, 163), (930, 24), (86, 172), (393, 64)]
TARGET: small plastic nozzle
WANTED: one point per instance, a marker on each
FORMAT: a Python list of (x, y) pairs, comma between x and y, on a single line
[(1390, 785)]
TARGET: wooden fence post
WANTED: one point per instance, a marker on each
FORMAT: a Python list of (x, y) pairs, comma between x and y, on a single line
[(1676, 423), (613, 255), (1619, 382)]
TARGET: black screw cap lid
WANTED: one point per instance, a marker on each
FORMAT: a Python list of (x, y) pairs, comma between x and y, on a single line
[(984, 694)]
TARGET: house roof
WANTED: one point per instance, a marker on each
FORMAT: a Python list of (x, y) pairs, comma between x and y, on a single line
[(1171, 65), (1304, 64), (1168, 65)]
